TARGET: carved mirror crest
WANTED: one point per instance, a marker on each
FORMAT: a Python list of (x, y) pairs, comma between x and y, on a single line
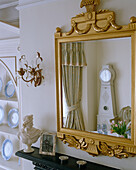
[(95, 83)]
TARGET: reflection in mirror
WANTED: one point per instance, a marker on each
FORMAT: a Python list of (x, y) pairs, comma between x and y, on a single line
[(96, 85)]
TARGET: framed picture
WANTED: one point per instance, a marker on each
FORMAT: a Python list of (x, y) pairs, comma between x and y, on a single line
[(47, 144)]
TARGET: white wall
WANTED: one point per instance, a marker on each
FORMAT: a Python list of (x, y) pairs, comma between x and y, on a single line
[(37, 34), (90, 107), (116, 52)]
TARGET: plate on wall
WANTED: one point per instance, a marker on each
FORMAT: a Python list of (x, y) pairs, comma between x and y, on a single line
[(9, 89), (0, 84), (1, 114), (13, 118), (7, 149)]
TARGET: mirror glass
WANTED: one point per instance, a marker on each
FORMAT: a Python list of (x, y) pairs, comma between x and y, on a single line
[(96, 86)]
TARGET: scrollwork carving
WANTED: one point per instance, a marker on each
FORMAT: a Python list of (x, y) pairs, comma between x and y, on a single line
[(117, 151), (95, 148), (73, 142)]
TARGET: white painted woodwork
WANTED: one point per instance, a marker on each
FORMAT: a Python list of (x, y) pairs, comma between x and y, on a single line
[(8, 4), (9, 43), (9, 165), (8, 31)]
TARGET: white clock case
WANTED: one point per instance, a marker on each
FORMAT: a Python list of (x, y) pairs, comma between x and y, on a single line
[(107, 98)]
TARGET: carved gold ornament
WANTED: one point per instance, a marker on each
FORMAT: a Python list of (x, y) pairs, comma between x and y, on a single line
[(117, 151), (72, 141), (95, 25), (133, 19), (89, 4), (97, 148), (92, 19)]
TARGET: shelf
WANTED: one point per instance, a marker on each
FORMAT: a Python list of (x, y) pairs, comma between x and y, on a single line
[(3, 98), (53, 162), (109, 133), (8, 130), (11, 164)]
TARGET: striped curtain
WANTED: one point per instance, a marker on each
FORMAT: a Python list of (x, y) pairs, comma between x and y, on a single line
[(73, 61)]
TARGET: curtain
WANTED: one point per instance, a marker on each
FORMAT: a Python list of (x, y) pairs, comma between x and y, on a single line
[(73, 61)]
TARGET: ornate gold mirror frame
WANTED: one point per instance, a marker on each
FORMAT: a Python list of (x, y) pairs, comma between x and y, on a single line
[(94, 25)]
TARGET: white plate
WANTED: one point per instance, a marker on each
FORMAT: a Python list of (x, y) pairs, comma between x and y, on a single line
[(9, 89), (7, 149), (13, 118), (0, 84), (1, 114)]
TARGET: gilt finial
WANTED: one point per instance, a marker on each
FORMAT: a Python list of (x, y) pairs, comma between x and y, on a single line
[(89, 4)]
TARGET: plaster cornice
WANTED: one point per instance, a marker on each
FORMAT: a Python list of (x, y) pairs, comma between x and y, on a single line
[(29, 3)]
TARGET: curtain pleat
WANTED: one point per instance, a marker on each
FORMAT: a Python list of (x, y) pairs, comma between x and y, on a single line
[(73, 54)]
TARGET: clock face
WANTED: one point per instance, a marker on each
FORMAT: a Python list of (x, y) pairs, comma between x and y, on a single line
[(105, 75)]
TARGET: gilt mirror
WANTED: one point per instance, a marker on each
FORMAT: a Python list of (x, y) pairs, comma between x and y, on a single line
[(95, 83)]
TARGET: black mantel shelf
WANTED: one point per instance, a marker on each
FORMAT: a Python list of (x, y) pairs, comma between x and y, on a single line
[(43, 162)]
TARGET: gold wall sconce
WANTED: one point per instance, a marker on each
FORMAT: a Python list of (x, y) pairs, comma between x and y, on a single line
[(31, 74)]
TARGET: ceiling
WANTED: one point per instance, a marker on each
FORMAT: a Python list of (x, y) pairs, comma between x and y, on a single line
[(8, 12), (6, 1)]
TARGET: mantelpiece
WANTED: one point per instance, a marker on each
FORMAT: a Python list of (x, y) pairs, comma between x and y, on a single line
[(99, 28), (53, 162)]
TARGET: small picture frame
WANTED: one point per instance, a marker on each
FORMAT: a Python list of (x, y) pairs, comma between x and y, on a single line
[(47, 144)]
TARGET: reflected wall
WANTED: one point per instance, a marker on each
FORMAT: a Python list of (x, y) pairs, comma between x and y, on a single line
[(115, 52)]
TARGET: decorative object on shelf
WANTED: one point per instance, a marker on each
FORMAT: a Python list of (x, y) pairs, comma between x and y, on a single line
[(28, 133), (63, 158), (129, 130), (31, 74), (7, 149), (99, 129), (122, 123), (124, 115), (81, 163), (120, 128), (48, 144), (107, 107), (104, 129), (1, 114), (0, 84), (9, 89), (13, 118)]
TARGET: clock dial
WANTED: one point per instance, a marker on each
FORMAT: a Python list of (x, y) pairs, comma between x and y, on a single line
[(105, 75)]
